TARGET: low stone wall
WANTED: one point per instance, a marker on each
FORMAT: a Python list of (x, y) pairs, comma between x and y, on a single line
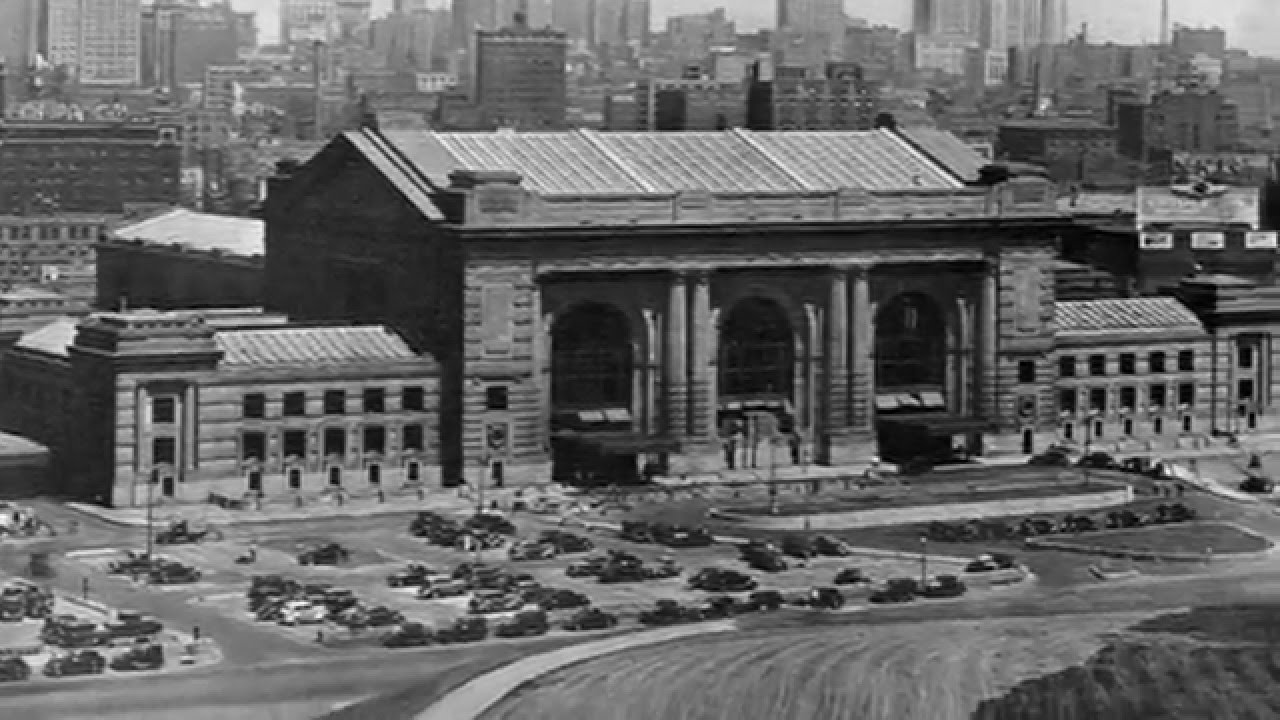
[(944, 512)]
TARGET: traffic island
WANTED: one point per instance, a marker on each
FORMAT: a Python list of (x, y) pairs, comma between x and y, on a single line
[(1185, 542)]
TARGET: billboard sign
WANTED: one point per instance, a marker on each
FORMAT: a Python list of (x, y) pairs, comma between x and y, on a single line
[(1198, 204)]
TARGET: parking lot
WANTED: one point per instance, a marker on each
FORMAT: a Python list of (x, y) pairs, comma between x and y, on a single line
[(378, 547)]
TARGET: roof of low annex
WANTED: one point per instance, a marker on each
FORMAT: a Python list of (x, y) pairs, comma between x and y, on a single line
[(1125, 315), (201, 232)]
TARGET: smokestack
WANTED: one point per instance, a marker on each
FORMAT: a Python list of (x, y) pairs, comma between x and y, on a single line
[(317, 57), (1164, 22)]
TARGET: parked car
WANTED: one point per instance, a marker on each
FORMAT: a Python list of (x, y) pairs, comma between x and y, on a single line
[(1257, 484), (764, 601), (721, 580), (174, 574), (302, 612), (327, 554), (721, 606), (590, 619), (487, 602), (1052, 457), (492, 523), (139, 657), (825, 598), (622, 573), (944, 586), (134, 564), (463, 630), (669, 612), (181, 532), (1100, 461), (897, 590), (69, 631), (383, 616), (851, 576), (664, 568), (636, 531), (14, 669), (798, 546), (765, 558), (556, 598), (83, 662), (679, 536), (337, 599), (991, 562), (409, 635), (133, 625), (529, 623), (588, 567), (831, 546), (443, 589), (525, 550), (566, 543), (414, 575)]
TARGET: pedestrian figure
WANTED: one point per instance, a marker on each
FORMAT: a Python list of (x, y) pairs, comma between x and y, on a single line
[(381, 496), (195, 633), (320, 636)]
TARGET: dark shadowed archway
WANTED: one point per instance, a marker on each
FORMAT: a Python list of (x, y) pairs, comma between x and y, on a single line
[(591, 358), (911, 343), (757, 350)]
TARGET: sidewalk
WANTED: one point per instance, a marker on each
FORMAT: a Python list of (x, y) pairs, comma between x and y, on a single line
[(473, 699), (315, 510)]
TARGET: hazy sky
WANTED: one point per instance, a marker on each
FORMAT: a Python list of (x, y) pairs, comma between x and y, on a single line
[(1251, 24)]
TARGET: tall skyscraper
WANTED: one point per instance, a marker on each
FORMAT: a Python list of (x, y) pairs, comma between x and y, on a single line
[(303, 21), (99, 39), (952, 18)]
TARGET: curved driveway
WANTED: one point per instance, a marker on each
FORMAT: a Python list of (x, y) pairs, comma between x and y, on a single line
[(472, 699)]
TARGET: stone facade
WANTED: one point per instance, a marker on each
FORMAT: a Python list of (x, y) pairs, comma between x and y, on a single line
[(216, 404)]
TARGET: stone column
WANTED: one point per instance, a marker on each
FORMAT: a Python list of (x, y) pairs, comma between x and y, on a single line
[(677, 380), (701, 414), (808, 361), (652, 368), (838, 350), (188, 458), (988, 401), (543, 378), (862, 327)]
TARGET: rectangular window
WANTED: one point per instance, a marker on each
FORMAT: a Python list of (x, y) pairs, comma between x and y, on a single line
[(413, 438), (164, 451), (164, 410), (375, 439), (1155, 362), (253, 446), (1098, 400), (255, 406), (1026, 371), (1067, 366), (412, 398), (1128, 363), (1097, 365), (1186, 360), (335, 441), (1067, 400), (1244, 357), (1156, 396), (335, 402), (495, 397), (295, 404), (295, 443), (1128, 398), (1187, 394), (375, 400), (1244, 389)]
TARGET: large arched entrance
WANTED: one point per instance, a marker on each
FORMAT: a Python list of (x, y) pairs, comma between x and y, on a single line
[(757, 373), (592, 359), (911, 365)]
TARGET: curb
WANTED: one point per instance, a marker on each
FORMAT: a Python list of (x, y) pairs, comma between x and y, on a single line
[(472, 699)]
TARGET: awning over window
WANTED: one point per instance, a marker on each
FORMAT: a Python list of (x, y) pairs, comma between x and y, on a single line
[(621, 443)]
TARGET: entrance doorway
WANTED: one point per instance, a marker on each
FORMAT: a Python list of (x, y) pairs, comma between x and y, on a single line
[(496, 471), (295, 478), (375, 474), (167, 486), (335, 476), (911, 344), (413, 472), (255, 481), (1028, 441)]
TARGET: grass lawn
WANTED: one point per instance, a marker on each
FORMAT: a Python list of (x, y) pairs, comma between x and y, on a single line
[(1190, 538), (873, 502)]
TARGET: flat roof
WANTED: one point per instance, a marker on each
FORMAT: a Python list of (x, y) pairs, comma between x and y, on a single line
[(17, 446), (203, 232), (1125, 315)]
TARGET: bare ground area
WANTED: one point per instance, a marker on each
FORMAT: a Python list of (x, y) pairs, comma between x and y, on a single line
[(925, 671)]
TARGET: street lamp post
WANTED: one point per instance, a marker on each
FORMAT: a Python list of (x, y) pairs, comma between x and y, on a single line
[(924, 561)]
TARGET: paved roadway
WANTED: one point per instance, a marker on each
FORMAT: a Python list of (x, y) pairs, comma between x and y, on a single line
[(271, 676)]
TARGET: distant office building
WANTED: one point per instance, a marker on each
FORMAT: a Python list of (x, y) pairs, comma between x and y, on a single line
[(100, 40), (1031, 23), (1194, 121), (678, 105), (1071, 150), (944, 54), (34, 247), (796, 99), (690, 37), (246, 31), (1189, 41), (20, 31), (877, 49), (180, 40), (303, 21), (954, 18), (520, 76)]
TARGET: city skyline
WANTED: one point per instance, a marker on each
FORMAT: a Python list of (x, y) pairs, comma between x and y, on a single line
[(1250, 24)]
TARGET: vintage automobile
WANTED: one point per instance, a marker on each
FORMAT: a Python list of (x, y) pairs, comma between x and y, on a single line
[(327, 554), (529, 623), (302, 612), (556, 598), (831, 546), (764, 601), (679, 536), (173, 573), (943, 586), (82, 662), (721, 580), (443, 589), (14, 669), (525, 550), (590, 619), (487, 602), (409, 635), (132, 625), (798, 546), (414, 575), (851, 576), (491, 523), (588, 567), (665, 567), (669, 612), (139, 657), (897, 590), (566, 543), (182, 532), (825, 598), (383, 616), (69, 631), (464, 630), (636, 531)]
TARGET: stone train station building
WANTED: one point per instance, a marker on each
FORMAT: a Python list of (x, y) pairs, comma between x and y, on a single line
[(603, 302)]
